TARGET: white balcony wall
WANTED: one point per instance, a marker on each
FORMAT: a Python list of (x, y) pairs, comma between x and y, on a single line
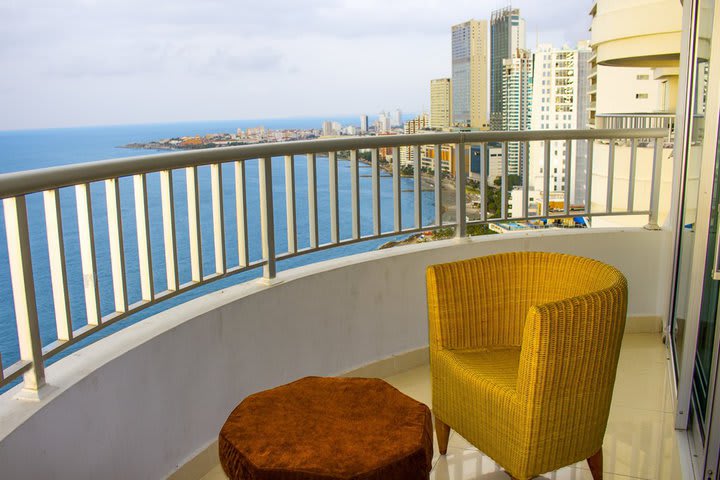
[(621, 176), (144, 400)]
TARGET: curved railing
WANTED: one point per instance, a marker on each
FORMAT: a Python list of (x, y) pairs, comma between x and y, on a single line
[(15, 188)]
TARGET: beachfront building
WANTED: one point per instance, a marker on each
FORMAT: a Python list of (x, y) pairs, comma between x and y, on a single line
[(396, 118), (507, 36), (440, 103), (469, 74), (383, 125), (447, 158), (416, 125), (364, 123), (560, 102), (517, 84)]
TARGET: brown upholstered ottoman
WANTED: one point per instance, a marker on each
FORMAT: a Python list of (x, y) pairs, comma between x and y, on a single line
[(328, 428)]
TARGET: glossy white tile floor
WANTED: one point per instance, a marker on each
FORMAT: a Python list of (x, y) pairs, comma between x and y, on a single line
[(640, 440)]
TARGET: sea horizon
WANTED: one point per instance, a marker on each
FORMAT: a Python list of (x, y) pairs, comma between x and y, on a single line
[(302, 118), (51, 147), (31, 149)]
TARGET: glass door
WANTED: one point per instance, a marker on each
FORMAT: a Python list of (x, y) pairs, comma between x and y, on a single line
[(694, 322), (705, 426), (696, 292)]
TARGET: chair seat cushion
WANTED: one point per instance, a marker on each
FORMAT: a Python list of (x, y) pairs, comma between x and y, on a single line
[(474, 391), (496, 366)]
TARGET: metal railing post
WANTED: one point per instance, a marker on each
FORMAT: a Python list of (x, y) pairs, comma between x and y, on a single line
[(267, 223), (504, 181), (610, 177), (438, 184), (397, 201), (461, 228), (655, 187), (16, 187), (546, 179), (526, 182), (375, 165), (588, 176), (484, 162), (23, 287)]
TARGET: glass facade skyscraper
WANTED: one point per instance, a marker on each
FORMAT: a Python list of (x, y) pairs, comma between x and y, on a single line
[(507, 35)]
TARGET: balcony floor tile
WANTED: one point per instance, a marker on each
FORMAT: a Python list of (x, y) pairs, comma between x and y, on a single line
[(640, 440)]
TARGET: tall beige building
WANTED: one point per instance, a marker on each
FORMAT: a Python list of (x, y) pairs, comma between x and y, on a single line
[(469, 74), (440, 103)]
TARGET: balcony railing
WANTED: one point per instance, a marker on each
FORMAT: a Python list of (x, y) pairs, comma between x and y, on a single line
[(638, 121), (107, 176)]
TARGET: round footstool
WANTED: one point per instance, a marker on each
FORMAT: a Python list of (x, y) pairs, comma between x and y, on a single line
[(328, 428)]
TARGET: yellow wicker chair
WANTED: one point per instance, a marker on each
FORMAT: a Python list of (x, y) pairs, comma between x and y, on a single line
[(523, 354)]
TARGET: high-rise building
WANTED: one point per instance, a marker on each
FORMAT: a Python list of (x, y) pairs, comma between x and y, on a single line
[(421, 122), (581, 121), (517, 84), (440, 103), (382, 125), (507, 36), (560, 102), (469, 74), (396, 118), (364, 123), (327, 128)]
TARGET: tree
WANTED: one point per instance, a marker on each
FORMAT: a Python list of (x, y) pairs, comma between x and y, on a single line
[(407, 170)]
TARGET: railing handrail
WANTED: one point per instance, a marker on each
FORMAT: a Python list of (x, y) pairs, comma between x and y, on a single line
[(33, 181), (637, 114), (14, 188)]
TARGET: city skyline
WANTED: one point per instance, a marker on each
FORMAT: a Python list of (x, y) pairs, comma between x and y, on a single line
[(85, 63)]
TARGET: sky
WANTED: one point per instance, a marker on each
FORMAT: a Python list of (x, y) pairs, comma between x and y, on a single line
[(104, 62)]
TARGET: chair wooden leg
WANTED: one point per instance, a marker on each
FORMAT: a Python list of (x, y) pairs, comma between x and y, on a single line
[(596, 465), (443, 435)]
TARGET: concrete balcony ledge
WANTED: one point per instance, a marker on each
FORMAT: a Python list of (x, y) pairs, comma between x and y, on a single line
[(637, 33), (143, 401)]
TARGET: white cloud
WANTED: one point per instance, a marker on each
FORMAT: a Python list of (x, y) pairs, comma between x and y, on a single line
[(79, 62)]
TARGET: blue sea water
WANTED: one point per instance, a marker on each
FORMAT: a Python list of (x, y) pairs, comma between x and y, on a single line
[(31, 149)]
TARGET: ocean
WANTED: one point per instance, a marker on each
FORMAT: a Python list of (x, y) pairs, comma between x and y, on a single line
[(33, 149)]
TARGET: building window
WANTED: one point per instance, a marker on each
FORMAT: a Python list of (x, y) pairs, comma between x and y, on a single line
[(641, 95), (643, 77)]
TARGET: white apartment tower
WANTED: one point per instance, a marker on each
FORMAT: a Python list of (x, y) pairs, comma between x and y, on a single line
[(364, 123), (517, 84), (560, 102), (383, 123), (469, 74), (440, 103), (397, 118)]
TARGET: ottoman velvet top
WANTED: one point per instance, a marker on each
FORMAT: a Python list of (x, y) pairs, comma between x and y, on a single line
[(328, 428)]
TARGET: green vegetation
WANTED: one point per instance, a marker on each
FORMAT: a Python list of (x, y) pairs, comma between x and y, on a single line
[(472, 230), (407, 170), (475, 230)]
